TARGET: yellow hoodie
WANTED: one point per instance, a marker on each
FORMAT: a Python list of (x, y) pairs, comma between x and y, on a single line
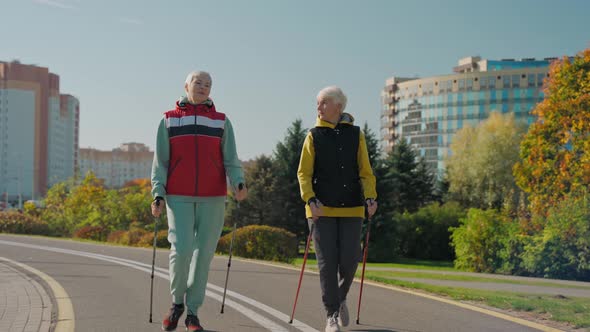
[(305, 173)]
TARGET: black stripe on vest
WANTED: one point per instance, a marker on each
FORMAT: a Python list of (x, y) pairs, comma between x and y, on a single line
[(195, 130)]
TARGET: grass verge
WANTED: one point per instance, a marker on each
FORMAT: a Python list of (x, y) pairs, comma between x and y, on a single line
[(455, 277), (557, 308), (405, 263)]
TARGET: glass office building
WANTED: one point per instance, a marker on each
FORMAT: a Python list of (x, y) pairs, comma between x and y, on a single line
[(427, 112)]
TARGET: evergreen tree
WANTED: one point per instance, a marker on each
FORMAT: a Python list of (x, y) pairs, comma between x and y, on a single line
[(287, 194), (409, 184), (260, 207), (372, 145)]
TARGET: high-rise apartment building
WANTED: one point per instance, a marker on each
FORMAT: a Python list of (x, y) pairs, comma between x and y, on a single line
[(38, 131), (427, 112)]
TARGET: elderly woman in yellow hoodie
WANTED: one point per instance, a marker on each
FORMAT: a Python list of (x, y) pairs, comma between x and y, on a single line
[(337, 183)]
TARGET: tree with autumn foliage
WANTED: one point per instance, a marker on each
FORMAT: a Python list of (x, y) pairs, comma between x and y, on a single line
[(91, 204), (480, 166), (134, 197), (555, 152)]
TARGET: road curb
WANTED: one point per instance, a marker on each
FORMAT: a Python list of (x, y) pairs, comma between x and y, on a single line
[(65, 318)]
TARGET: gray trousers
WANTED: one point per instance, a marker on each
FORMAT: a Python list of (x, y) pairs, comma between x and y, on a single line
[(337, 246)]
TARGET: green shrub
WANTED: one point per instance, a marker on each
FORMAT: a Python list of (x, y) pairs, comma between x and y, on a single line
[(426, 233), (513, 247), (19, 223), (31, 209), (261, 242), (562, 249), (161, 242), (480, 240), (135, 235), (226, 229), (384, 240), (96, 233), (119, 237)]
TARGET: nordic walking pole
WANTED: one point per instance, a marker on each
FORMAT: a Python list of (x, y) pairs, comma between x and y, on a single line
[(366, 251), (231, 244), (302, 269), (154, 260), (228, 266)]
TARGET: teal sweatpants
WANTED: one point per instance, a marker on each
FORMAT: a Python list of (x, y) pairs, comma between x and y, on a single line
[(193, 231)]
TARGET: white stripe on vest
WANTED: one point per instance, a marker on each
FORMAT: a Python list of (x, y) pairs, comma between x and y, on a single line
[(190, 120)]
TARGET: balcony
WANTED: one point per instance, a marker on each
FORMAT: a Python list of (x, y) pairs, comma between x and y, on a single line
[(389, 112), (392, 125), (390, 88)]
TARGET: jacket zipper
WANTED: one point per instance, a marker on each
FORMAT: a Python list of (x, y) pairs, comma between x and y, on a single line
[(196, 158), (174, 167)]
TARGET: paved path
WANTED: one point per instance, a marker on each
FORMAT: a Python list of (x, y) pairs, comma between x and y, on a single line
[(25, 306), (504, 287), (484, 275), (109, 290)]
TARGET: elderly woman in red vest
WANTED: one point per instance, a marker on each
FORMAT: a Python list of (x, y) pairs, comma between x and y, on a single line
[(336, 182), (195, 151)]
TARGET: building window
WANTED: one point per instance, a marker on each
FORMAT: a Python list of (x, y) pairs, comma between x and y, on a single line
[(540, 78), (515, 81), (531, 80), (483, 84), (506, 82), (428, 88), (469, 84), (492, 84)]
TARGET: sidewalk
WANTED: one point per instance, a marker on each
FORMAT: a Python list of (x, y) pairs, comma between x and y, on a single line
[(25, 306), (483, 275)]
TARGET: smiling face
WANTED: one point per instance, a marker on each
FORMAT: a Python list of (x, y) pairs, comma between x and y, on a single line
[(199, 88), (328, 109)]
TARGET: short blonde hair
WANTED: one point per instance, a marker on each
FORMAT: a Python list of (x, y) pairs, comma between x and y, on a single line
[(198, 73), (334, 93)]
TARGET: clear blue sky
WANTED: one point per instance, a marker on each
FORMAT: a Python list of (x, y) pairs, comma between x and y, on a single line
[(127, 60)]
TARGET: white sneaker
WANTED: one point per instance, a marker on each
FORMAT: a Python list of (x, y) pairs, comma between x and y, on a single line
[(332, 324), (343, 316)]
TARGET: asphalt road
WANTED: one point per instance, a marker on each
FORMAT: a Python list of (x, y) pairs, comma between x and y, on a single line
[(109, 288)]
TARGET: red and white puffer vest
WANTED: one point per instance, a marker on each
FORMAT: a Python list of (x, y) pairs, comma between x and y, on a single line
[(196, 158)]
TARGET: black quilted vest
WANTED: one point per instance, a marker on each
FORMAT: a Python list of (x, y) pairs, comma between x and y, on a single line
[(336, 180)]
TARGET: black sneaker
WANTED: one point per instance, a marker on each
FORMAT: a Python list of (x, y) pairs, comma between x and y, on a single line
[(171, 319), (192, 323)]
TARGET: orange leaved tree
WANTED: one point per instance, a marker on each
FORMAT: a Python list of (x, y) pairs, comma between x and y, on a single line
[(556, 150)]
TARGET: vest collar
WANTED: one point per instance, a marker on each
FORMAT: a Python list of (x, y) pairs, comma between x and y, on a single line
[(345, 118)]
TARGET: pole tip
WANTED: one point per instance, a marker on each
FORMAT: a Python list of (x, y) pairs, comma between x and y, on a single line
[(291, 321)]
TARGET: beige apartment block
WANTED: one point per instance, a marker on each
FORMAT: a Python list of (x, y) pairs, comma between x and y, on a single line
[(128, 162)]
